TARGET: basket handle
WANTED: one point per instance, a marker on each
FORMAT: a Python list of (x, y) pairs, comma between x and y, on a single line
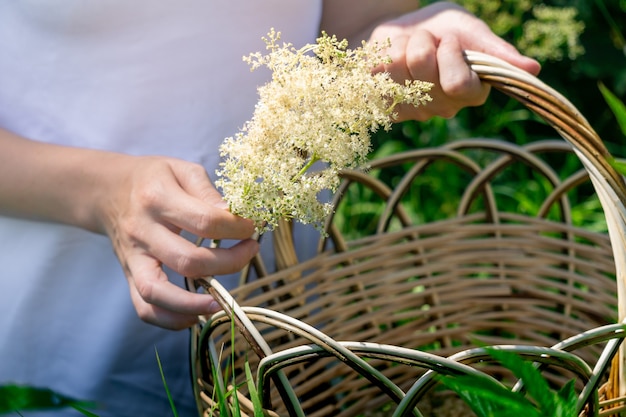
[(609, 185)]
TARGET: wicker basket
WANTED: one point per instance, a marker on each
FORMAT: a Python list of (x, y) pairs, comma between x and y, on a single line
[(371, 319)]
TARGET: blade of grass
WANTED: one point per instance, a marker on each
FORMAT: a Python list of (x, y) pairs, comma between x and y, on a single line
[(218, 391), (167, 390), (83, 411), (254, 394), (236, 405)]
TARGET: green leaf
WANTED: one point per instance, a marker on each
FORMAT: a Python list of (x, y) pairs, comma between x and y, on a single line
[(489, 399), (534, 382), (568, 401), (618, 165), (617, 106), (22, 398)]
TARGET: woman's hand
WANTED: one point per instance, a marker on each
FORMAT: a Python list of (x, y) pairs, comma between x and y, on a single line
[(143, 212), (428, 44), (142, 204)]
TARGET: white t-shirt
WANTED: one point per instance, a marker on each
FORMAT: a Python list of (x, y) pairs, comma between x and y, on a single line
[(140, 77)]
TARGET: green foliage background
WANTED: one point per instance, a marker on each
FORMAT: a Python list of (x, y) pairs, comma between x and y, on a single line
[(579, 43)]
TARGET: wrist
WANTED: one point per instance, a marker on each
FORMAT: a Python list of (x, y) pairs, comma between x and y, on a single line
[(55, 183)]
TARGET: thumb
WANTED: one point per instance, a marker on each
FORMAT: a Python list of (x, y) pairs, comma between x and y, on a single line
[(510, 54), (194, 180)]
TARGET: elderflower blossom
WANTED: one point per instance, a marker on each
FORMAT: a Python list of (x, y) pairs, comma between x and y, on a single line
[(313, 119), (553, 34), (548, 33)]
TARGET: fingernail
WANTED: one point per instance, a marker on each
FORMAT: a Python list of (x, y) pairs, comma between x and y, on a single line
[(214, 307), (222, 204)]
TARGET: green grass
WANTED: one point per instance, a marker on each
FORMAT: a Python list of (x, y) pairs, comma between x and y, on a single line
[(167, 390)]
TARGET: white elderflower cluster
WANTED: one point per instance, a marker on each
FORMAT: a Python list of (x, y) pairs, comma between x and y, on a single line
[(313, 119)]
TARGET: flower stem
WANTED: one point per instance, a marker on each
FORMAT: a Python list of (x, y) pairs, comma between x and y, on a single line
[(306, 167)]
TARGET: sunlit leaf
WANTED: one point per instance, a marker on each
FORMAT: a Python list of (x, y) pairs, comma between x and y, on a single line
[(23, 398), (617, 106)]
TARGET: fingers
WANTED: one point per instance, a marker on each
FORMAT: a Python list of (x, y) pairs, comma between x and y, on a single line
[(457, 81), (203, 219), (429, 45), (504, 50), (182, 307), (160, 302), (194, 180), (152, 201), (189, 260), (185, 199), (442, 63)]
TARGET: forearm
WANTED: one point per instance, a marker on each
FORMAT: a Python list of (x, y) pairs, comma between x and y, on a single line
[(355, 19), (53, 183)]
